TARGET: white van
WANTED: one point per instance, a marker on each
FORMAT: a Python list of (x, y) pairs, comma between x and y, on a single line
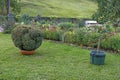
[(89, 23)]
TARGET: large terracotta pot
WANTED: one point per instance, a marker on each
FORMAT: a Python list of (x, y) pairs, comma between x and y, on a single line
[(27, 52)]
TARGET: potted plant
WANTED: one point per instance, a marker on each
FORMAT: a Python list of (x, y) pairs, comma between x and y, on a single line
[(97, 56), (26, 38)]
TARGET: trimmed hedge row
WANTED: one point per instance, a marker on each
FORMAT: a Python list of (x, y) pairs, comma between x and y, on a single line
[(81, 37)]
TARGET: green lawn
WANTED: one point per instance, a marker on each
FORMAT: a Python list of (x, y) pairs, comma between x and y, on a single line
[(54, 61), (59, 8)]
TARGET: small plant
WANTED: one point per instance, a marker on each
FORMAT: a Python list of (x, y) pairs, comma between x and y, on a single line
[(65, 25), (3, 20), (80, 36), (51, 34), (26, 37), (25, 18), (97, 56), (7, 23), (37, 18), (70, 37)]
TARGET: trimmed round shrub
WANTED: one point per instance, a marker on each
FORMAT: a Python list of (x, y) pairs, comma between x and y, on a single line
[(26, 37)]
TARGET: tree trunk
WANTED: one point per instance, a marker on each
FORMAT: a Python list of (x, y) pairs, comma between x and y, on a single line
[(98, 46), (8, 6)]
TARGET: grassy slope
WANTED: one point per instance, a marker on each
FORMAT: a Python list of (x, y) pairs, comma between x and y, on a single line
[(59, 8), (54, 61)]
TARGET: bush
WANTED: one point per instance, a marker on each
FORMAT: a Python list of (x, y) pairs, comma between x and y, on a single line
[(51, 34), (3, 20), (8, 28), (118, 29), (7, 23), (61, 37), (93, 39), (70, 37), (65, 25), (26, 37), (86, 37), (25, 18), (111, 43), (80, 35)]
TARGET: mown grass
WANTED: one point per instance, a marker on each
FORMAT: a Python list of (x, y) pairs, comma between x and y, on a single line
[(59, 8), (54, 61)]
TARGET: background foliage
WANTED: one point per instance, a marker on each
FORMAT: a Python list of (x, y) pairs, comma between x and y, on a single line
[(108, 10)]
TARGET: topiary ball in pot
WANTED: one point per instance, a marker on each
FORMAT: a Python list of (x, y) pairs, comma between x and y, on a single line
[(27, 38)]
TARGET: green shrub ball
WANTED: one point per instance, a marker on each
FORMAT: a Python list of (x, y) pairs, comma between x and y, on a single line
[(26, 37)]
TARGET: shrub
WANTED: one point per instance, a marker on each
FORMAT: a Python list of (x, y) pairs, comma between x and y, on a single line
[(37, 18), (87, 37), (26, 37), (51, 34), (105, 44), (3, 20), (25, 18), (7, 22), (112, 42), (65, 25), (80, 35), (70, 37), (88, 29), (93, 39), (118, 29), (61, 37), (8, 28)]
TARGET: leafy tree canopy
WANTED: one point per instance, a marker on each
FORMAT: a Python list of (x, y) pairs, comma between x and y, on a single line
[(14, 7), (108, 10)]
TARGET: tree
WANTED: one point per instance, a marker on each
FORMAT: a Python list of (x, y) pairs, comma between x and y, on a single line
[(9, 5), (108, 10), (15, 6), (2, 4)]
